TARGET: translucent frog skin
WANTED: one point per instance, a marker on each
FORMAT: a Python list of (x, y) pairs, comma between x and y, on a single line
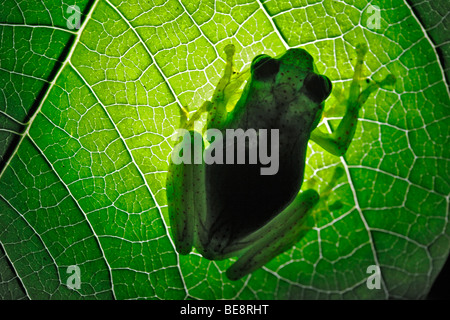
[(226, 210)]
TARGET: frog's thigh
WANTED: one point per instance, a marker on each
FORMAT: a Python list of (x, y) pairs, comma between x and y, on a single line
[(276, 237), (184, 194)]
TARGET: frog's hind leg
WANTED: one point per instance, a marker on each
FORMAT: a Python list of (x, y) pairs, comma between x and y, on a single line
[(276, 237), (186, 192)]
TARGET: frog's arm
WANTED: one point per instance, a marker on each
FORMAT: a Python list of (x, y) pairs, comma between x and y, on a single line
[(227, 92), (225, 96), (338, 142)]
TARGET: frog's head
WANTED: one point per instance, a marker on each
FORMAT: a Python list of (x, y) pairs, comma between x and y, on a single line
[(292, 74)]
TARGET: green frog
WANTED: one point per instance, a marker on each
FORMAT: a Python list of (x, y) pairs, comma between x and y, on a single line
[(232, 209)]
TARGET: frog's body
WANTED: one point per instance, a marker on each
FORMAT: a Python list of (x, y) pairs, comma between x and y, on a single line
[(229, 209), (273, 100)]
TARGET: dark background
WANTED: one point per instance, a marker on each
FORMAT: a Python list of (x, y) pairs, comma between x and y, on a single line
[(441, 287)]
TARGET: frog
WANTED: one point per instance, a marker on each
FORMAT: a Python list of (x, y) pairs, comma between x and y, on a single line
[(232, 210)]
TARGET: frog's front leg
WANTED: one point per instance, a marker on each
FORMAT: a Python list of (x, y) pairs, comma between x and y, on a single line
[(277, 236), (338, 142), (225, 95)]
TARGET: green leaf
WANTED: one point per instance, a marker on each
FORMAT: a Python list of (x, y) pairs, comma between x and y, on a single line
[(87, 115)]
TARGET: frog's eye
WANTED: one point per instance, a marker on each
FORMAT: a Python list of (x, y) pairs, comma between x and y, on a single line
[(318, 87), (264, 66)]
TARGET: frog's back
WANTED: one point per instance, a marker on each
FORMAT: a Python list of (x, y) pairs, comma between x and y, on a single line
[(240, 199)]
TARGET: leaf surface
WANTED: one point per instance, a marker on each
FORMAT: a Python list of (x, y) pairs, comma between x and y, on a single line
[(87, 115)]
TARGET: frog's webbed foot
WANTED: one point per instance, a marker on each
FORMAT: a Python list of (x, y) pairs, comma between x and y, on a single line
[(187, 121), (280, 234), (338, 142)]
